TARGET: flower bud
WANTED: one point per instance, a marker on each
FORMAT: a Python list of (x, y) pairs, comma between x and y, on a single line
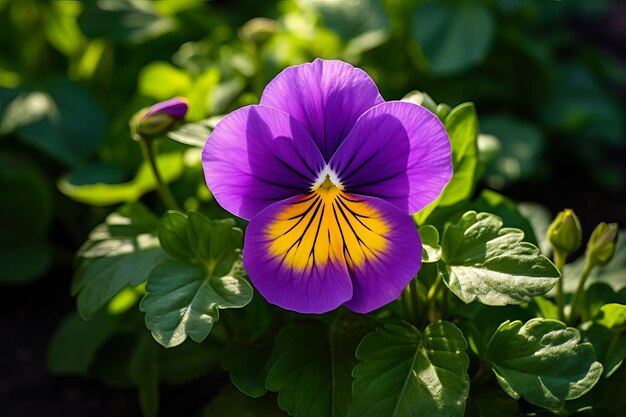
[(565, 234), (601, 245), (159, 118)]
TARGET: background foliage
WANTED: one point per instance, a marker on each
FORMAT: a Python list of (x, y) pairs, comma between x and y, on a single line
[(546, 80)]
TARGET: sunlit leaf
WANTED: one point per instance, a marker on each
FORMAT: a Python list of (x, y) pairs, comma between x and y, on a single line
[(607, 334), (184, 298), (491, 264)]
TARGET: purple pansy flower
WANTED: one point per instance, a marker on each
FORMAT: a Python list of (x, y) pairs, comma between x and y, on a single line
[(328, 174)]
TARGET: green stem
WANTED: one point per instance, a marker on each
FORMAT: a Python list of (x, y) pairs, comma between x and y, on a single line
[(559, 261), (579, 295), (147, 148)]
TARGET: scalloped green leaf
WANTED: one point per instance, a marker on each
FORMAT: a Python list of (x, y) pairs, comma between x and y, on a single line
[(406, 373), (184, 300), (119, 252), (543, 361), (490, 263)]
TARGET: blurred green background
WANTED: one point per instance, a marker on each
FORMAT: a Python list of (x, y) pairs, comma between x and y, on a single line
[(548, 79)]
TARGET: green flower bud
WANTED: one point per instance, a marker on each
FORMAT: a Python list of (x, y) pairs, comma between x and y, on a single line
[(565, 234), (601, 245)]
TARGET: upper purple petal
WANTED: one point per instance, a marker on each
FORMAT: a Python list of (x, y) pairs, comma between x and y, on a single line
[(326, 97), (258, 155), (396, 151), (176, 107)]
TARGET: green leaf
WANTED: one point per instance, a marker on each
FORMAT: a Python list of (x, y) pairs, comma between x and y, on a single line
[(607, 334), (431, 251), (184, 300), (120, 252), (173, 235), (462, 127), (314, 361), (454, 36), (104, 194), (543, 361), (248, 368), (491, 264), (505, 208), (407, 373), (75, 342), (612, 316), (144, 372)]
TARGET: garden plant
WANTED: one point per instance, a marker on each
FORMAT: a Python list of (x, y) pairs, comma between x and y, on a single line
[(308, 212)]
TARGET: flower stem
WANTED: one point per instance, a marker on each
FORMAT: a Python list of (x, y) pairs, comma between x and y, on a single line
[(147, 148), (559, 261), (579, 295)]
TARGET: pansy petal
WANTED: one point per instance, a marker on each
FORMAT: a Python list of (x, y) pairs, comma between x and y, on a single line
[(293, 260), (397, 151), (326, 97), (384, 250), (258, 155)]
